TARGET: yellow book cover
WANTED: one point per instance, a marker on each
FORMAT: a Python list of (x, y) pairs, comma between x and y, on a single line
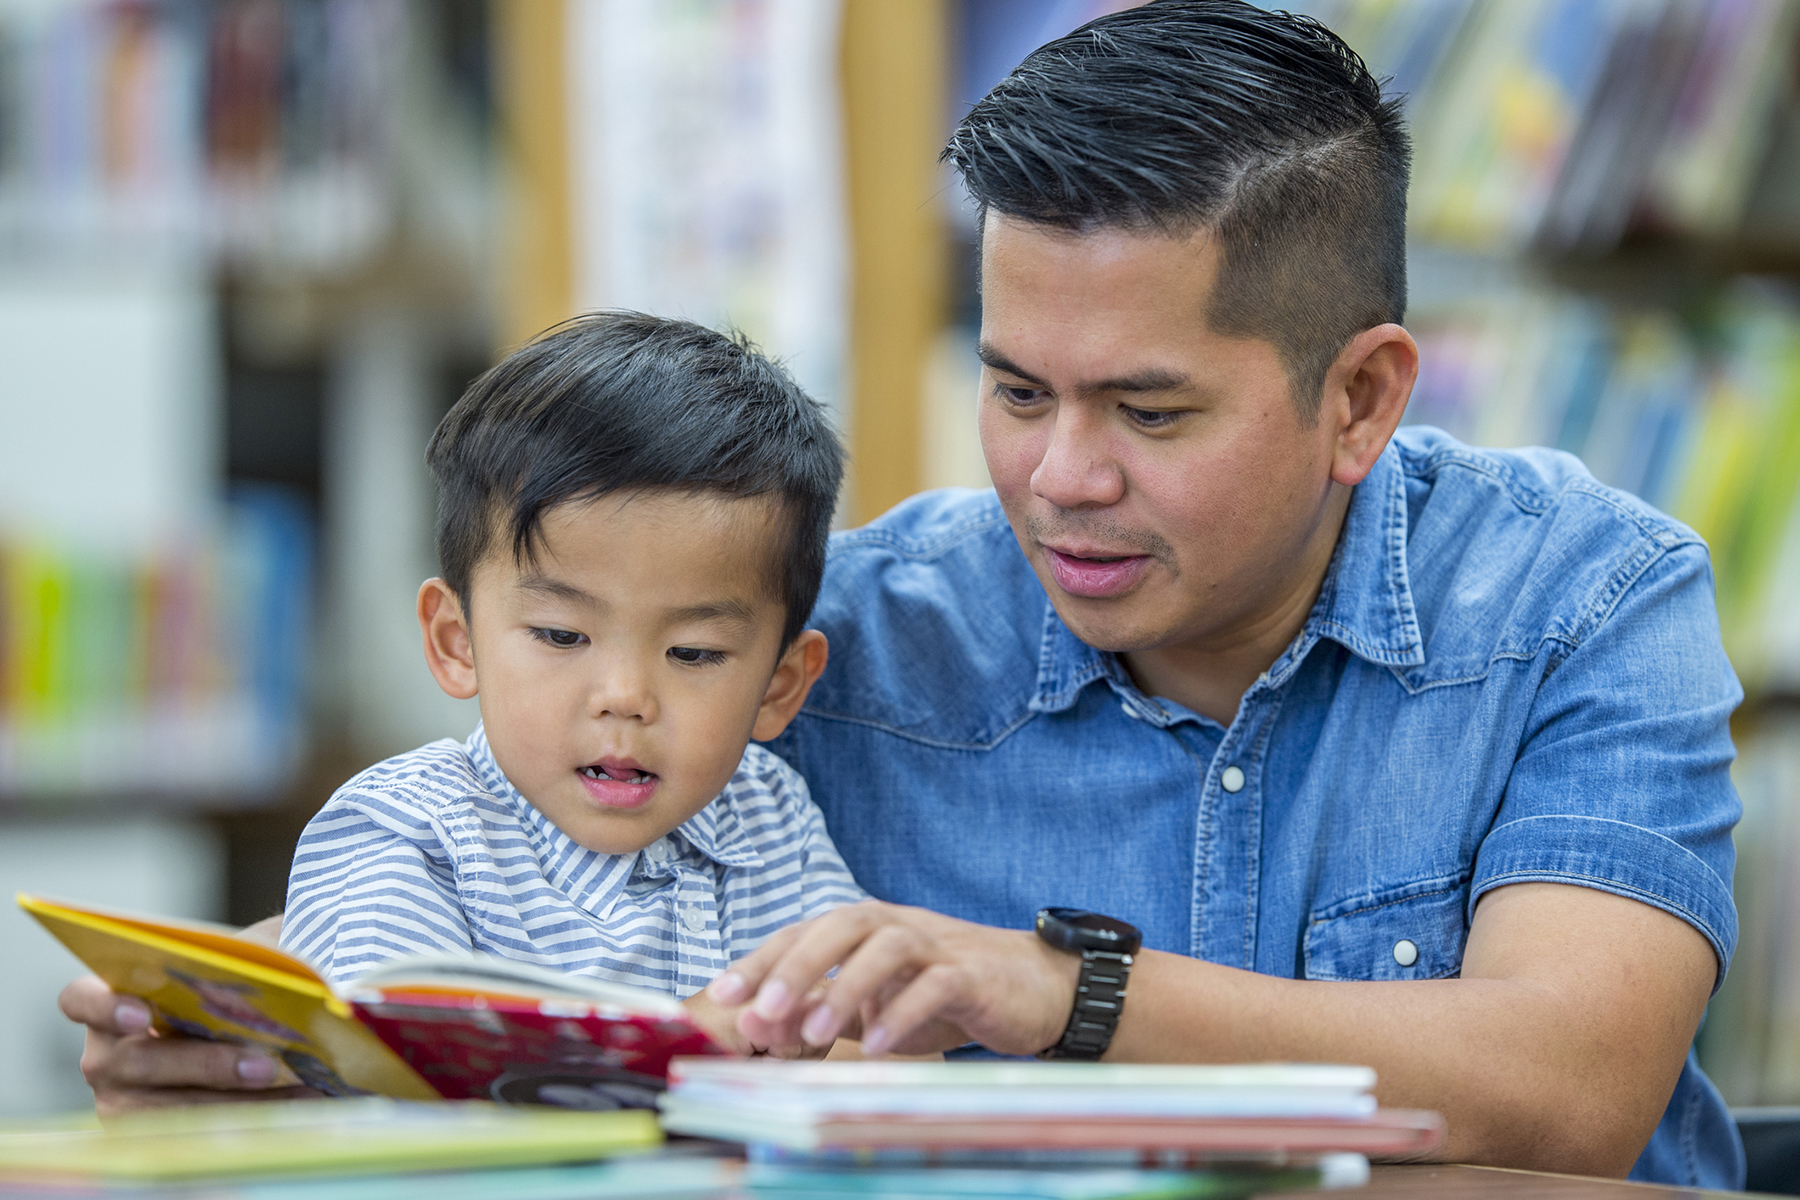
[(455, 1026), (364, 1136), (203, 981)]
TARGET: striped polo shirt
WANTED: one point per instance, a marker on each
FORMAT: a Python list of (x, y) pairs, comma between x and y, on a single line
[(435, 851)]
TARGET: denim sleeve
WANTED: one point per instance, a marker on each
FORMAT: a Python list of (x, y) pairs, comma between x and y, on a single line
[(1622, 782)]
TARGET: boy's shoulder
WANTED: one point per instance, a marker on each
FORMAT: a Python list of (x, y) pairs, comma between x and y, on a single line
[(764, 784), (434, 784)]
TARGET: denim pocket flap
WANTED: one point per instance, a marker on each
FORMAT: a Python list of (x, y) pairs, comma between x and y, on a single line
[(1413, 932)]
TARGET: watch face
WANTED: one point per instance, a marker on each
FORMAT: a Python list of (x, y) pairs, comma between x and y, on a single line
[(1077, 930)]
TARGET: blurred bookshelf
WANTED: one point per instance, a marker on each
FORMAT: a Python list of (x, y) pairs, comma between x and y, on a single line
[(247, 258), (1604, 259)]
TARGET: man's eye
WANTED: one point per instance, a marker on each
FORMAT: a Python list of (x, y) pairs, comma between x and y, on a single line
[(1146, 418), (691, 656), (1020, 395), (562, 639)]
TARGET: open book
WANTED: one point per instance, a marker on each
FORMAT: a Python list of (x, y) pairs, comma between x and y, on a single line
[(452, 1026)]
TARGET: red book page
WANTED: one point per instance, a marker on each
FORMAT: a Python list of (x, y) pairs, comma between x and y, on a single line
[(496, 1047)]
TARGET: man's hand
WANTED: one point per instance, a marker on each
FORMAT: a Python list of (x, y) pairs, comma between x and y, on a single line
[(129, 1067), (907, 980), (1556, 1049)]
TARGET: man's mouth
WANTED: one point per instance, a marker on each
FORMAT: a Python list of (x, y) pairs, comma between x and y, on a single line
[(1092, 574), (615, 783)]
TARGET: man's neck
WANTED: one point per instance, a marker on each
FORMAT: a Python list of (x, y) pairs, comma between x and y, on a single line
[(1211, 674)]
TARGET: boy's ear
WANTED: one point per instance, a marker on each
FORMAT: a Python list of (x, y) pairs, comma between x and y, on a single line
[(799, 668), (448, 651)]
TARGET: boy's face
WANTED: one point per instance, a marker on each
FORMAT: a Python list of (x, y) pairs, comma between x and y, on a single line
[(622, 670)]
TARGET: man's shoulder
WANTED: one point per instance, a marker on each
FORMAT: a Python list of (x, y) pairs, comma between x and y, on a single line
[(926, 527), (1523, 544), (935, 621)]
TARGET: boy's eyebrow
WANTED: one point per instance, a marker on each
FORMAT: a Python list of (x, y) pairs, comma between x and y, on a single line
[(557, 588), (732, 611)]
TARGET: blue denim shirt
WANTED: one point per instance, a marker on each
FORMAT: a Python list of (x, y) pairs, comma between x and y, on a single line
[(1512, 673)]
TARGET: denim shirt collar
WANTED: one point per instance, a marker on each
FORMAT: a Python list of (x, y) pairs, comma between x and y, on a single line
[(1365, 603), (594, 880)]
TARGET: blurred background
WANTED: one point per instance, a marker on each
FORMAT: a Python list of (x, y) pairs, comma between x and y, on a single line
[(251, 250)]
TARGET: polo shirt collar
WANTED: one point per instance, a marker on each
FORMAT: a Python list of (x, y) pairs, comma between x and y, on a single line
[(594, 880), (1365, 603)]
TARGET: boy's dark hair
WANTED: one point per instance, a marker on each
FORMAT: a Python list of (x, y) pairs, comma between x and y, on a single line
[(1183, 114), (615, 401)]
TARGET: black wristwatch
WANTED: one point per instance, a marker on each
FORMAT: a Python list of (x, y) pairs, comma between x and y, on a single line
[(1106, 947)]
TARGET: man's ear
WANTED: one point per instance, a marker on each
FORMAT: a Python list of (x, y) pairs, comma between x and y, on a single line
[(1366, 396), (448, 650), (799, 668)]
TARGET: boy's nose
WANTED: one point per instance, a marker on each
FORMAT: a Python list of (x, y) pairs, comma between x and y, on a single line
[(625, 694)]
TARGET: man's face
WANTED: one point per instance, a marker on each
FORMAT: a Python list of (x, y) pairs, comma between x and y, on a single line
[(622, 669), (1157, 475)]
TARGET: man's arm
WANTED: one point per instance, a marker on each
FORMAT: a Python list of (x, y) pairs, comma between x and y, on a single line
[(1557, 1049), (129, 1068)]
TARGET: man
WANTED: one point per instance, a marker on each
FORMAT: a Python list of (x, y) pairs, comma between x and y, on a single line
[(1411, 756), (1403, 754)]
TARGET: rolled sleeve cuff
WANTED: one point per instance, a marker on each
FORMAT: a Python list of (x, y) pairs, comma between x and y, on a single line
[(1611, 856)]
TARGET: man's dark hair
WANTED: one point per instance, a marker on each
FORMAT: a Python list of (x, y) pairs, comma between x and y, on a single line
[(1182, 114), (617, 401)]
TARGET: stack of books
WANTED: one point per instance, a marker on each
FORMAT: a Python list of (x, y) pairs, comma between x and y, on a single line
[(965, 1127)]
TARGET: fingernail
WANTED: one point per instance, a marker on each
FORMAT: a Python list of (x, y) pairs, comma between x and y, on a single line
[(729, 988), (820, 1026), (256, 1069), (130, 1017), (875, 1041), (773, 1000)]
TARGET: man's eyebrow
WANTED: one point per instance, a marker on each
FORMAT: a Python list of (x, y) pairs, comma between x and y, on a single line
[(733, 611), (544, 585), (1150, 379), (996, 361)]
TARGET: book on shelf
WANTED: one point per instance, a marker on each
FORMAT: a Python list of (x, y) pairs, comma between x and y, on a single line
[(1254, 1110), (1566, 124), (450, 1026)]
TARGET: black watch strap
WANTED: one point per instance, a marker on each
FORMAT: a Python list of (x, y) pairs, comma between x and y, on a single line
[(1099, 999)]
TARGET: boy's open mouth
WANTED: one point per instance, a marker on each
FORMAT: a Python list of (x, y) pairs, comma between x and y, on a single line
[(620, 774), (617, 783)]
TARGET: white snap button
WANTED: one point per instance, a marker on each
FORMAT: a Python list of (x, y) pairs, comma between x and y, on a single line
[(693, 918), (1232, 779), (1405, 953)]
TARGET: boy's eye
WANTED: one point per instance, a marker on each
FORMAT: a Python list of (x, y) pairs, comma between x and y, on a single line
[(562, 639), (691, 656)]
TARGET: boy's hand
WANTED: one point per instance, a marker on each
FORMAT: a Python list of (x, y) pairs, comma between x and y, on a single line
[(907, 979)]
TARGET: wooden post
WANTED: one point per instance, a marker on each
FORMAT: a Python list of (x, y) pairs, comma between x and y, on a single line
[(894, 93), (537, 262)]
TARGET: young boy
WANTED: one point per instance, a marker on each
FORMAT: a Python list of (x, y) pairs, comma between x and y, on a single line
[(632, 531)]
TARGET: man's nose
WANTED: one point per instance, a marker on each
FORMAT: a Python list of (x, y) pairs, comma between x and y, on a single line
[(623, 690), (1077, 471)]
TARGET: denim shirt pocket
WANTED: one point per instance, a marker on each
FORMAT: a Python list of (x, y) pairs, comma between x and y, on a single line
[(1415, 931)]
